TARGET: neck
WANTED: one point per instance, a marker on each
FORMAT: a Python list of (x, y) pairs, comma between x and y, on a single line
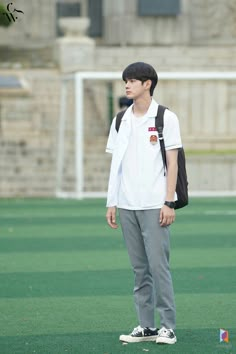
[(141, 106)]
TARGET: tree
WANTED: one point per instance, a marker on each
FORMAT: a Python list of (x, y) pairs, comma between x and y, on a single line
[(4, 17)]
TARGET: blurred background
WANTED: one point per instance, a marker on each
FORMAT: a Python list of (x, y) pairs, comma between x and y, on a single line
[(44, 43)]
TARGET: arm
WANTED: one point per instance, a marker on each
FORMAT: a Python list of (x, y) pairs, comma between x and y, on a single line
[(111, 210), (167, 215)]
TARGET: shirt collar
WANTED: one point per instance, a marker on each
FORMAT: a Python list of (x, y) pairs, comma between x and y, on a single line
[(151, 112)]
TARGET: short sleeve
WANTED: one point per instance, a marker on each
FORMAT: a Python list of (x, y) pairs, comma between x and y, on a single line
[(171, 131), (112, 137)]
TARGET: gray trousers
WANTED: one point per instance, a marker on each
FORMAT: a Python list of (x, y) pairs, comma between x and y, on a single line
[(148, 247)]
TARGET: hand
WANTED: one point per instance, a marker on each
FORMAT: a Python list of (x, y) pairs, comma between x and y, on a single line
[(111, 217), (167, 216)]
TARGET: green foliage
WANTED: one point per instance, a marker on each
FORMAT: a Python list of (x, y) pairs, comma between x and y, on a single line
[(4, 21)]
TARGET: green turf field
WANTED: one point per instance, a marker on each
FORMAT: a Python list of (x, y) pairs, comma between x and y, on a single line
[(66, 284)]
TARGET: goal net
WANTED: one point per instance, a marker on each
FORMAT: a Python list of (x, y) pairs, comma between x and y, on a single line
[(203, 101)]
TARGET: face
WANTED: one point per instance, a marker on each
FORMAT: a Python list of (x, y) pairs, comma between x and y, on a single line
[(135, 88)]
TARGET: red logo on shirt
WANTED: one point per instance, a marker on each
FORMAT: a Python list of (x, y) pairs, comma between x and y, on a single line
[(152, 129), (153, 139)]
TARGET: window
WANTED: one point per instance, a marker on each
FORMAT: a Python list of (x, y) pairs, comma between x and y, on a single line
[(158, 7), (95, 15), (72, 8), (13, 85), (67, 9)]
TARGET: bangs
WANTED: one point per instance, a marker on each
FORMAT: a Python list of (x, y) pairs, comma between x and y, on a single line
[(139, 71)]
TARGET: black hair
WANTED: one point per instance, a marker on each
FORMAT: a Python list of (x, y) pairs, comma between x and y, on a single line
[(141, 71)]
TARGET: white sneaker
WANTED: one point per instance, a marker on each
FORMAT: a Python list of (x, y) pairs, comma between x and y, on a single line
[(166, 336), (139, 334)]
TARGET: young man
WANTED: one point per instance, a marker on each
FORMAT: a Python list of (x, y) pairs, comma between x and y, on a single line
[(145, 197)]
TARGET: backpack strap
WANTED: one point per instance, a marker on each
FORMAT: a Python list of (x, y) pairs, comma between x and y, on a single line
[(159, 124), (118, 119)]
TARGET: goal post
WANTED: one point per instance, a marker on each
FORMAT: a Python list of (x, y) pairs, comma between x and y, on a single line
[(79, 89), (78, 80)]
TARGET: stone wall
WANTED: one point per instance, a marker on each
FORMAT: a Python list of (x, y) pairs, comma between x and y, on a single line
[(211, 172), (200, 22), (132, 29), (173, 58), (28, 136), (34, 29), (29, 122), (29, 117), (213, 22)]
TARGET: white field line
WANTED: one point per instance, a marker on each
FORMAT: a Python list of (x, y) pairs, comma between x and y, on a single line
[(84, 195), (220, 212), (185, 211)]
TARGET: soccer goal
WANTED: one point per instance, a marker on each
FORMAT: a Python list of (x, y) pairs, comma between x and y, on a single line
[(181, 88)]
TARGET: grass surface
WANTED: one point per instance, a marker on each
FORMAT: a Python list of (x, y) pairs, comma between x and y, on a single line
[(66, 283)]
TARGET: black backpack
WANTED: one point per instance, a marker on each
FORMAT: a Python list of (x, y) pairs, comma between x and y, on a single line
[(182, 181)]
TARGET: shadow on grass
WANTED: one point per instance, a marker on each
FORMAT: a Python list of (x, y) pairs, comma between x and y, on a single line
[(197, 341)]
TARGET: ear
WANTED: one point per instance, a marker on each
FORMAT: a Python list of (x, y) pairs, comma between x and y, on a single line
[(148, 84)]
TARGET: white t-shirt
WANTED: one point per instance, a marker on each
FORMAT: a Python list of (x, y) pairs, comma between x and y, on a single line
[(142, 181)]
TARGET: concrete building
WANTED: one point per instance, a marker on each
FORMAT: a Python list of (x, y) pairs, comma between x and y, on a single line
[(51, 39)]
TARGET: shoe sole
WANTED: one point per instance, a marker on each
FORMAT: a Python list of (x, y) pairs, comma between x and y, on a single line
[(166, 340), (129, 339)]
